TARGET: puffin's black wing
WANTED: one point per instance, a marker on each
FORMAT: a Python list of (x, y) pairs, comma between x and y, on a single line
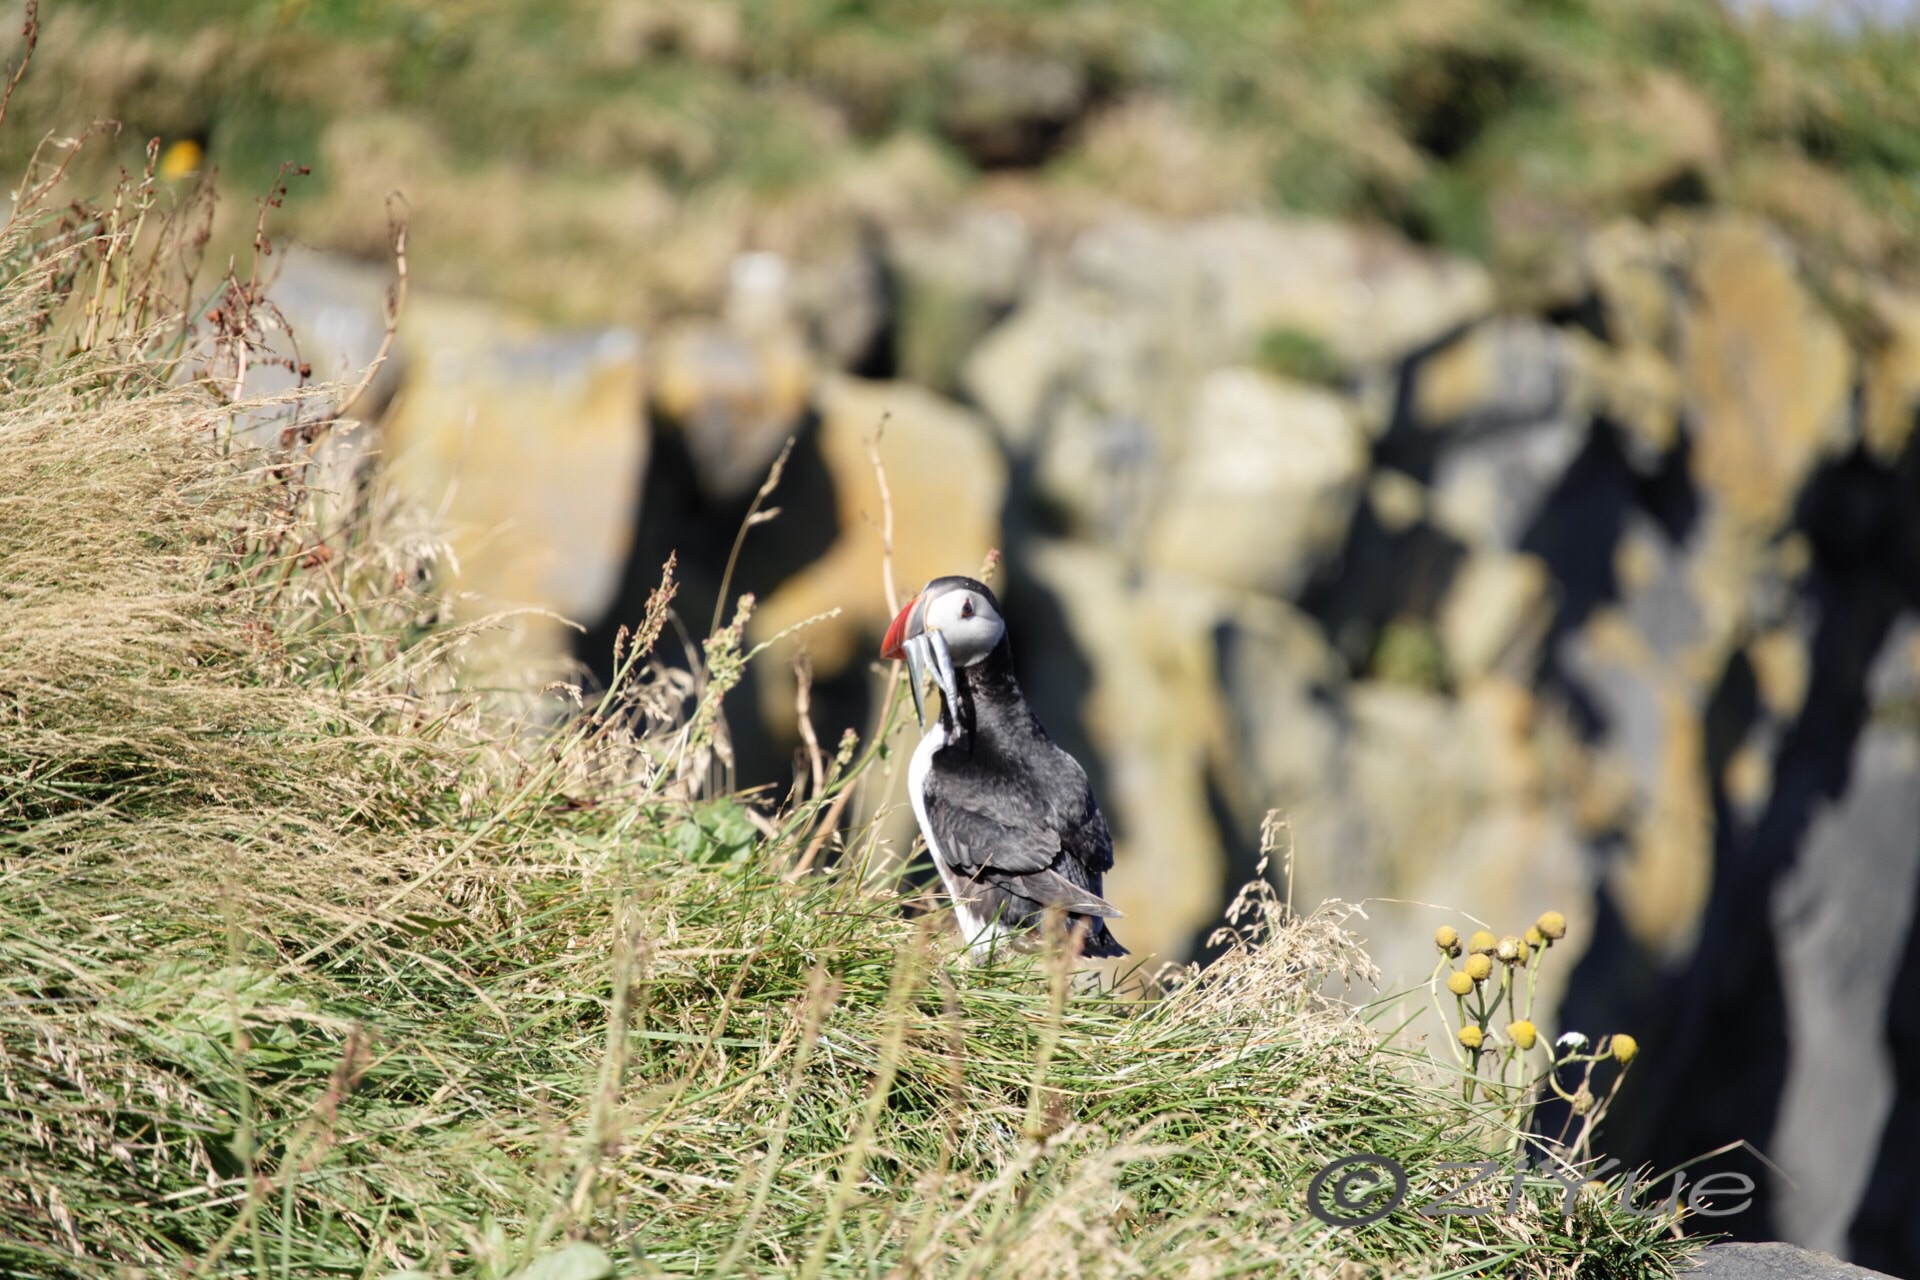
[(1088, 841), (1037, 834)]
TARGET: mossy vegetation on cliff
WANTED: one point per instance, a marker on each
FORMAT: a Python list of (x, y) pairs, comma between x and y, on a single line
[(536, 137)]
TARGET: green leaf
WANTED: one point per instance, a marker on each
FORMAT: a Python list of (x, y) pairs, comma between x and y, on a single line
[(577, 1261), (719, 832)]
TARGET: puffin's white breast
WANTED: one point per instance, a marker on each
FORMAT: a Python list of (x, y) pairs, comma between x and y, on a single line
[(979, 932)]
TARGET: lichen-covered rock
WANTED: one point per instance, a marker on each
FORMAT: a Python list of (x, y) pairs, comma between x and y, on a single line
[(1155, 715), (531, 446), (1891, 395), (1446, 803), (946, 482), (1267, 480), (1633, 268), (735, 398), (1284, 684), (1496, 613), (1768, 373)]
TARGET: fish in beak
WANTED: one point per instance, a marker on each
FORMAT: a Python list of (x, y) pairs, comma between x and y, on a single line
[(926, 653)]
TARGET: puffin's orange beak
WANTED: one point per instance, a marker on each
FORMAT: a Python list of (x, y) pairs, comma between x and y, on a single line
[(893, 646)]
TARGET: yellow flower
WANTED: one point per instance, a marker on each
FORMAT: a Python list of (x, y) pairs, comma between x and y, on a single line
[(1551, 924), (1470, 1036), (1535, 938), (1510, 951), (1477, 967), (182, 158), (1482, 941), (1447, 939), (1624, 1047), (1459, 983), (1521, 1033)]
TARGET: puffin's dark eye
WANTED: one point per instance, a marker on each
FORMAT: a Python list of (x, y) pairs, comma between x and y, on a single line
[(966, 607)]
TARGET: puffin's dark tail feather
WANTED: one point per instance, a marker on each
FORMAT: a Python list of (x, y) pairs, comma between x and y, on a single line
[(1097, 943)]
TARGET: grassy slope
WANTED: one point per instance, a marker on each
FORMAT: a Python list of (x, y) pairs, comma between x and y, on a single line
[(537, 141), (317, 959)]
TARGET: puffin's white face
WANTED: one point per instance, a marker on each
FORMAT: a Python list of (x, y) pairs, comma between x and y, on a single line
[(953, 623), (968, 622)]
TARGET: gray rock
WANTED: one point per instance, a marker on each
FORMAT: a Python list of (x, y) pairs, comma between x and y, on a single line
[(337, 308), (335, 312), (1735, 1261), (953, 282), (1015, 370), (1103, 469), (1010, 108), (735, 396), (1841, 914), (1489, 488), (1366, 296), (841, 294), (1504, 373)]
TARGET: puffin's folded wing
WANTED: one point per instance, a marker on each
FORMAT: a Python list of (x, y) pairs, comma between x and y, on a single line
[(972, 842)]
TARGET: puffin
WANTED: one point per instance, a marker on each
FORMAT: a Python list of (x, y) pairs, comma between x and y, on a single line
[(1007, 814)]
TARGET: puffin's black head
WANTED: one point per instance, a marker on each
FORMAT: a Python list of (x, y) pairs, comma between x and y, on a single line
[(953, 622)]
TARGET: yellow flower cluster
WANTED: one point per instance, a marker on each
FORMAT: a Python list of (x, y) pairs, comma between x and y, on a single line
[(1484, 972), (1493, 980)]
